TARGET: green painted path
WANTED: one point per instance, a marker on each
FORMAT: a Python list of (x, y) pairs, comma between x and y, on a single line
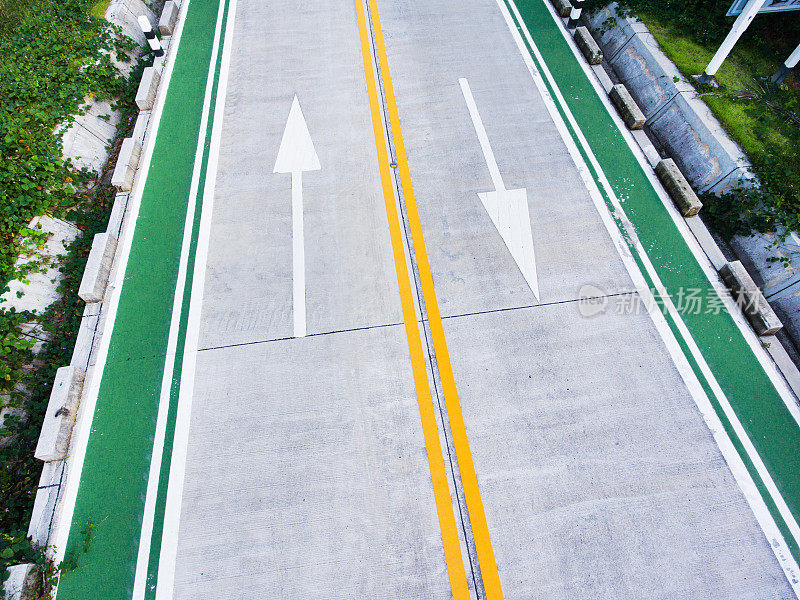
[(115, 470), (759, 407)]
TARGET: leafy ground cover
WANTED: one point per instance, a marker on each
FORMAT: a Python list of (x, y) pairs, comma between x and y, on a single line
[(55, 56), (764, 119)]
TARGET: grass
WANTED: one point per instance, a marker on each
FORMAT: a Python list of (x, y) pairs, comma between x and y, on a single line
[(744, 65)]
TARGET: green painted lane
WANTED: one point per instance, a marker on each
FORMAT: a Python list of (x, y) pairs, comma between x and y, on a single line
[(115, 471), (756, 402), (161, 498)]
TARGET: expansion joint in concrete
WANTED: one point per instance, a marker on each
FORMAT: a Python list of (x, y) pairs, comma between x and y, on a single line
[(621, 49), (465, 533)]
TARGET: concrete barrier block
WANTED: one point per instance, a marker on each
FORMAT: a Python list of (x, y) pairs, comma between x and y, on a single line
[(169, 17), (127, 161), (588, 46), (60, 415), (750, 299), (679, 189), (98, 267), (148, 85), (563, 7), (21, 582), (627, 107)]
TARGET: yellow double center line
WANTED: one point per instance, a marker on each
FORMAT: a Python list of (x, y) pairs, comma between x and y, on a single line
[(444, 505)]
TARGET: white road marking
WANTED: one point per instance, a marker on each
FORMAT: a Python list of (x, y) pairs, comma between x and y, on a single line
[(508, 209), (172, 510), (80, 436), (728, 450), (145, 539), (295, 155)]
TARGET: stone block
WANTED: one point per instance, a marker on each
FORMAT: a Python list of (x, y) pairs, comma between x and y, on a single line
[(60, 415), (98, 267), (169, 17), (627, 107), (86, 334), (148, 86), (127, 161), (563, 7), (678, 188), (591, 51), (750, 299)]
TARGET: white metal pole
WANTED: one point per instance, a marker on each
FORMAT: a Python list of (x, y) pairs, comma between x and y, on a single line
[(575, 14), (787, 66), (150, 35), (739, 26)]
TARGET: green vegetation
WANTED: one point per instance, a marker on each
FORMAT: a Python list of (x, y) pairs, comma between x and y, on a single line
[(54, 57), (12, 12), (762, 118), (99, 9)]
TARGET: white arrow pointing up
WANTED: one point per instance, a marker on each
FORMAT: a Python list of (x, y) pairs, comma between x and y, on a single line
[(508, 209), (296, 155)]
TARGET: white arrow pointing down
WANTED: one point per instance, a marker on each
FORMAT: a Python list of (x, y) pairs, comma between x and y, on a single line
[(508, 209), (295, 155)]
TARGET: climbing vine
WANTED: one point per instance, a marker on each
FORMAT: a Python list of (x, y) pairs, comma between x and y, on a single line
[(55, 58)]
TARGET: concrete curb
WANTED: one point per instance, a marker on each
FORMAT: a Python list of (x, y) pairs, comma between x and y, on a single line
[(146, 92), (591, 51), (563, 7), (169, 16), (750, 299), (127, 162), (60, 415), (679, 189), (627, 107), (98, 267)]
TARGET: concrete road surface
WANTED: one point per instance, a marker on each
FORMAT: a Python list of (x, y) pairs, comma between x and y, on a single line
[(387, 384)]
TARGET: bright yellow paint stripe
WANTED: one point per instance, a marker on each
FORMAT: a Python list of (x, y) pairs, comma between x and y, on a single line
[(441, 492), (477, 515)]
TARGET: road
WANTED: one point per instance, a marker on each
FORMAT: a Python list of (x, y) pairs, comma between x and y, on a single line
[(384, 327)]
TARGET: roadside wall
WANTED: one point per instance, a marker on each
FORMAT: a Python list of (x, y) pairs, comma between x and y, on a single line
[(687, 131)]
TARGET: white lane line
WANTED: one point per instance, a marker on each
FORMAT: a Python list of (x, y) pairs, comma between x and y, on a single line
[(80, 437), (145, 539), (508, 209), (728, 450), (172, 510), (295, 155), (763, 357)]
